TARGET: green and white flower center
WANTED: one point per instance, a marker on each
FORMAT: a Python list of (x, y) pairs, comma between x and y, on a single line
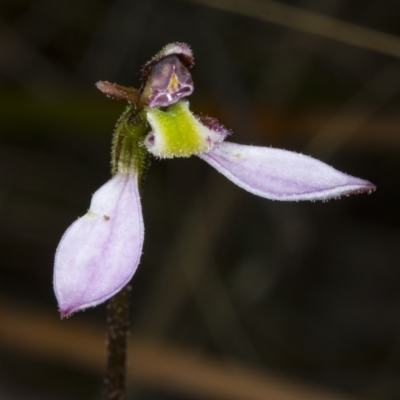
[(176, 132)]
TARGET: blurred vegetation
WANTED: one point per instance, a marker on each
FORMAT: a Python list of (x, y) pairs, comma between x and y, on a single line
[(306, 291)]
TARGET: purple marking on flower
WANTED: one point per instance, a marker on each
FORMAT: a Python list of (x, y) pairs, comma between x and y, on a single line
[(281, 175), (168, 82), (214, 125), (150, 140), (99, 252), (181, 50)]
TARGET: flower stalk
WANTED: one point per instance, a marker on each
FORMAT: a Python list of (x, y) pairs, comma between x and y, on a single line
[(128, 155), (117, 345)]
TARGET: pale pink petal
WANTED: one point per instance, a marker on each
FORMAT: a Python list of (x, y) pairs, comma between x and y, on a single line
[(281, 175), (100, 251)]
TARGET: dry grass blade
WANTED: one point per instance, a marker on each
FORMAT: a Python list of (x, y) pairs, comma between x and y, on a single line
[(307, 21), (25, 329)]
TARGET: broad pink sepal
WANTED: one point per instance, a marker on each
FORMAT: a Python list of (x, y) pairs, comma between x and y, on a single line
[(281, 175), (99, 252)]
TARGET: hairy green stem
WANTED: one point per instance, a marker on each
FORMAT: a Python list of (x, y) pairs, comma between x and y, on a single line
[(128, 154)]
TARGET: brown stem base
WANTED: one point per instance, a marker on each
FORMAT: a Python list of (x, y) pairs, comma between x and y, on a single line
[(117, 338)]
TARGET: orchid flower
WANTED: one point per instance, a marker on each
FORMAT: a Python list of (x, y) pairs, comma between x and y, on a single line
[(99, 253)]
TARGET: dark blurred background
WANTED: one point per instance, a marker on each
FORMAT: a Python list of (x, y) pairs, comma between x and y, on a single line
[(236, 297)]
